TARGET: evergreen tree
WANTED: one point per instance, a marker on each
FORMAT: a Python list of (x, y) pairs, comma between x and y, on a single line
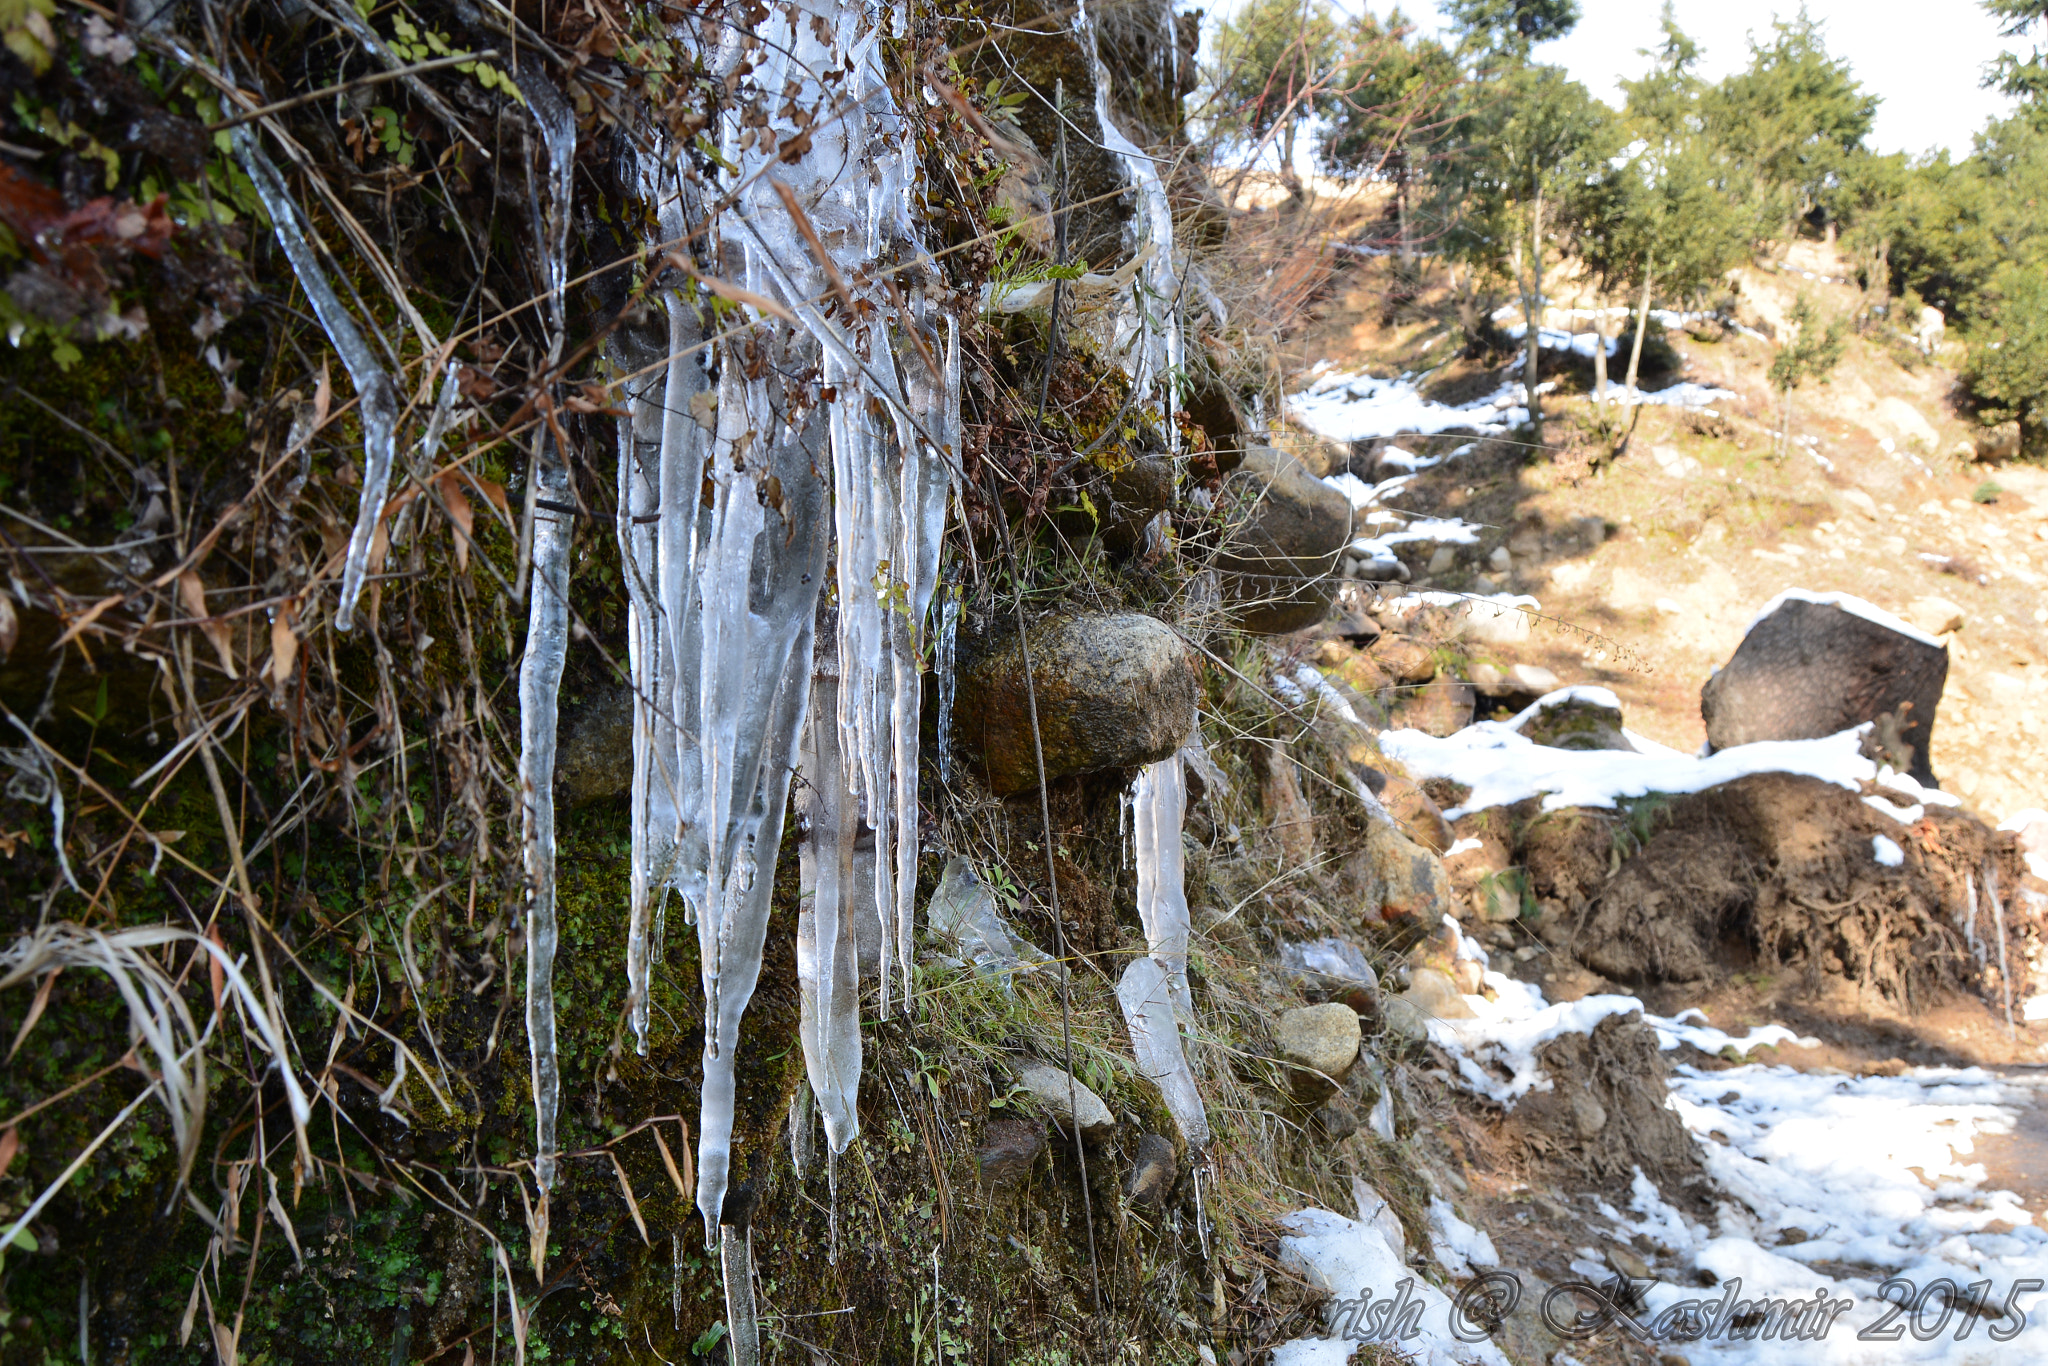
[(1386, 114), (2024, 77), (1795, 119), (1810, 352), (1275, 59), (1667, 213), (1532, 142)]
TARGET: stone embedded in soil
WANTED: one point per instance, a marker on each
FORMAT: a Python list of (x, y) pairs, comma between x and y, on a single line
[(1281, 561), (1318, 1039), (1408, 891), (1418, 816), (1810, 670), (1008, 1151), (1153, 1172), (1440, 708), (1432, 992), (1577, 723), (1935, 616), (1050, 1085), (1114, 690), (1404, 658)]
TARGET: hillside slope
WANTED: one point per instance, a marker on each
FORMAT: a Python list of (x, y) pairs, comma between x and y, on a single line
[(1880, 495)]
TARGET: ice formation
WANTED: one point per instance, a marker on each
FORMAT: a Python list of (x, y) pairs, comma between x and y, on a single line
[(1148, 337), (1146, 994), (734, 480), (1158, 804), (540, 680), (376, 395)]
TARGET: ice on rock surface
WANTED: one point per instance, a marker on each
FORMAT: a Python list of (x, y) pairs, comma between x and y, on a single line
[(376, 395), (540, 680), (963, 912)]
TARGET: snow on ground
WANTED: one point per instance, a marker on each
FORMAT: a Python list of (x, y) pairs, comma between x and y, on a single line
[(1346, 405), (1835, 1183), (1342, 405), (1503, 766)]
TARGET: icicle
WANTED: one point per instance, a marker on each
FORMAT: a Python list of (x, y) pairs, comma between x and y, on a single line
[(675, 1285), (1157, 807), (1150, 1012), (540, 679), (736, 1260), (828, 968), (948, 665), (376, 396), (551, 223), (1153, 328), (723, 528)]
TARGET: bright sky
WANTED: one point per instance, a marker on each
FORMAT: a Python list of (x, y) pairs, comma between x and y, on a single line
[(1924, 57)]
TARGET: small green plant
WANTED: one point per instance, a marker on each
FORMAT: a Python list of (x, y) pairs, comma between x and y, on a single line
[(1986, 492)]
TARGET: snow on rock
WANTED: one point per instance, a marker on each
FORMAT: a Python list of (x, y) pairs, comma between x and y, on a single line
[(1502, 766), (1848, 603), (1675, 1031), (1353, 1263)]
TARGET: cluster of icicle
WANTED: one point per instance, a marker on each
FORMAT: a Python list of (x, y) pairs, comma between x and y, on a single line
[(734, 484)]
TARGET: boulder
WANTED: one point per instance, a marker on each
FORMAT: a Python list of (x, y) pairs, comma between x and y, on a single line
[(1320, 1044), (1009, 1149), (1289, 529), (1577, 718), (1114, 690), (1494, 681), (1063, 1098), (1435, 996), (1405, 888), (1124, 501), (1814, 666)]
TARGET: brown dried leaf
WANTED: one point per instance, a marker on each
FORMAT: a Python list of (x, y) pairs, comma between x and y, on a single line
[(459, 512), (35, 1012), (632, 1205), (10, 626), (192, 593), (284, 645), (10, 1144)]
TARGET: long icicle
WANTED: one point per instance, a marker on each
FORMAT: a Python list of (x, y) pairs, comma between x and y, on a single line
[(540, 680)]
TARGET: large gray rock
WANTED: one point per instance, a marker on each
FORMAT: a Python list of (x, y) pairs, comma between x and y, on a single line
[(1289, 529), (1114, 690), (1813, 668)]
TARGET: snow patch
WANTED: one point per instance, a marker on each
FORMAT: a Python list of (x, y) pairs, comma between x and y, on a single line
[(1886, 852)]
